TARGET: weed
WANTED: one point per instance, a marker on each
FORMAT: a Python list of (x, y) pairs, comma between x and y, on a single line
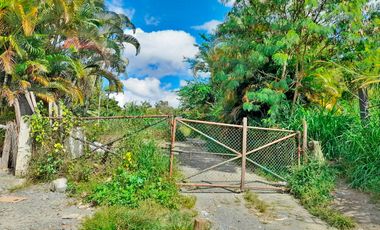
[(253, 201), (312, 184), (149, 215)]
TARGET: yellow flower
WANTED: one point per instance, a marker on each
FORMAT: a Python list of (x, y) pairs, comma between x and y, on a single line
[(128, 159)]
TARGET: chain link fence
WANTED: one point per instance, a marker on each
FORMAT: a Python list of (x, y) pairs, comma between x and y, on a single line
[(105, 136), (210, 154)]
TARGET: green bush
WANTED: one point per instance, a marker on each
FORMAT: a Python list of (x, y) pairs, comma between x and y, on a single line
[(347, 142), (141, 178), (312, 184)]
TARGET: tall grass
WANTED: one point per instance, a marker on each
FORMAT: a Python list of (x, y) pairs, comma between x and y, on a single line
[(354, 147), (312, 184)]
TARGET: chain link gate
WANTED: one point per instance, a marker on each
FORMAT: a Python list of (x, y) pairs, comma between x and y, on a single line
[(223, 155)]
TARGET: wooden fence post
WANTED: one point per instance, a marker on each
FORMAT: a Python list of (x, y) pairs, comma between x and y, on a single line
[(10, 147), (173, 131), (243, 154), (304, 139)]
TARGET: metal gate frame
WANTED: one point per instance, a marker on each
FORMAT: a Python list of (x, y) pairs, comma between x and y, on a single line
[(239, 155)]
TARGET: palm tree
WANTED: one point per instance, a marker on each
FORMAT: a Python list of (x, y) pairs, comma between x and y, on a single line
[(60, 48)]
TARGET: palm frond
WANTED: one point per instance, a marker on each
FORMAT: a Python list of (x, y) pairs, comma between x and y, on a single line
[(7, 61), (133, 41)]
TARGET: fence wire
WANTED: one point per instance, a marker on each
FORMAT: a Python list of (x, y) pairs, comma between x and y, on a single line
[(210, 154), (274, 161), (100, 137)]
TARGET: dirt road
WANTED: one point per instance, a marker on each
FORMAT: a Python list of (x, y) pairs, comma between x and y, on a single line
[(226, 209), (41, 209)]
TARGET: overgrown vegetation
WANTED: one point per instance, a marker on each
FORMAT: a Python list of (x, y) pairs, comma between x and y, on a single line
[(313, 184), (127, 183), (253, 201), (148, 216), (278, 62)]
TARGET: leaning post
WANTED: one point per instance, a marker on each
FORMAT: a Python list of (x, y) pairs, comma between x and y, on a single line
[(172, 143), (304, 139), (243, 153)]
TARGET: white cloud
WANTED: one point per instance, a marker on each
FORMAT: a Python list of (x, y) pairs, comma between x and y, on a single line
[(209, 26), (117, 7), (182, 83), (162, 53), (150, 20), (228, 3), (148, 89)]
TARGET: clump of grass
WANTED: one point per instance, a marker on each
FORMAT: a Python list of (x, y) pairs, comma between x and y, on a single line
[(149, 215), (19, 187), (312, 184), (253, 201)]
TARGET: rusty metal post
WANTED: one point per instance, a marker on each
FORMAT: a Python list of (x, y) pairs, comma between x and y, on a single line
[(243, 153), (173, 131)]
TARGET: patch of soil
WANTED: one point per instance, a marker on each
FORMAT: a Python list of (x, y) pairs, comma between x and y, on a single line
[(357, 205), (40, 209)]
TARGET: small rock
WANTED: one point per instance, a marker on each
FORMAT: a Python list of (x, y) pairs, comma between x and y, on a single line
[(59, 185), (204, 213), (71, 216)]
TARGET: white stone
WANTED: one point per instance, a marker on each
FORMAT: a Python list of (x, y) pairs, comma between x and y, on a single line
[(59, 185), (96, 145)]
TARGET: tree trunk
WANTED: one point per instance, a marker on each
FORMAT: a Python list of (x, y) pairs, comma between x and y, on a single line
[(363, 105)]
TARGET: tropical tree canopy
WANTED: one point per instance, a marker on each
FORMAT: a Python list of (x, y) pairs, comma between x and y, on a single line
[(269, 56), (60, 48)]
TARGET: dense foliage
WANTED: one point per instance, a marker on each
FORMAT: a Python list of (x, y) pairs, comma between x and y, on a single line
[(142, 176), (269, 56), (278, 62), (60, 48)]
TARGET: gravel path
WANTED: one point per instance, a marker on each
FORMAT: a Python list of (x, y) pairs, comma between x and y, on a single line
[(41, 209), (227, 210), (357, 205)]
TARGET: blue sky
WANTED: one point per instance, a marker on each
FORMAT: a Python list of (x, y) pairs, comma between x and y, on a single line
[(167, 31)]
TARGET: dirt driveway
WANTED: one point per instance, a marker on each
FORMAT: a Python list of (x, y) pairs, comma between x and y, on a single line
[(226, 209)]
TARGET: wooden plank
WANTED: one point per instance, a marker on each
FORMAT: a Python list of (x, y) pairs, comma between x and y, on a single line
[(14, 148), (304, 139), (33, 97), (172, 145), (17, 112), (29, 100), (6, 149)]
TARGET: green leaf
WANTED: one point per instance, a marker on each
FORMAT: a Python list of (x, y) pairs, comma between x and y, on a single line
[(233, 84), (248, 106), (280, 58)]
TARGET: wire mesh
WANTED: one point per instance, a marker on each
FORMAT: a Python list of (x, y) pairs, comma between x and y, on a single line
[(276, 152), (99, 137), (208, 153)]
